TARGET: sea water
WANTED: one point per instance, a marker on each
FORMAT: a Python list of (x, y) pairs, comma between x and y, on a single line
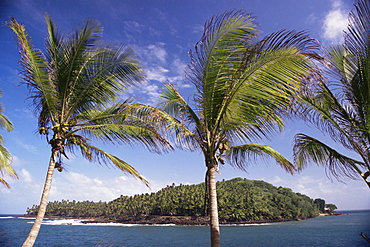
[(343, 230)]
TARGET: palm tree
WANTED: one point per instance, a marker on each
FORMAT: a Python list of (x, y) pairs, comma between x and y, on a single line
[(342, 108), (5, 157), (243, 89), (74, 88)]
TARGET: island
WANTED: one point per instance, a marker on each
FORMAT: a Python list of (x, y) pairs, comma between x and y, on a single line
[(240, 201)]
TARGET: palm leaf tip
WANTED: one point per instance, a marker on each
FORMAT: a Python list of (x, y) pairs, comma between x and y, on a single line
[(8, 171), (96, 154), (242, 154), (4, 183), (126, 168)]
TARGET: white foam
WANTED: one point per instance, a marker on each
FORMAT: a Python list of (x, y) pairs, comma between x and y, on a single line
[(62, 222), (82, 222)]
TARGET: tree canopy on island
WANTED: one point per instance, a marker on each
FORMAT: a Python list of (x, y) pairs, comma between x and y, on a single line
[(239, 200)]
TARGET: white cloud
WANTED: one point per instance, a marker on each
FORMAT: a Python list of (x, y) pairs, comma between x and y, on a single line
[(153, 92), (157, 73), (179, 66), (335, 22), (25, 176), (17, 162), (308, 180), (276, 180), (345, 196), (80, 187), (158, 68), (157, 52)]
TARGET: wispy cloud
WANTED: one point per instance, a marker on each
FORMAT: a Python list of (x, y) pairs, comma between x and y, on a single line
[(16, 161), (198, 29), (26, 176), (156, 52), (151, 91), (159, 68), (312, 18), (77, 186), (37, 16), (24, 191), (72, 186), (156, 73), (178, 67), (132, 26), (27, 182), (335, 22), (154, 32), (30, 148), (23, 113)]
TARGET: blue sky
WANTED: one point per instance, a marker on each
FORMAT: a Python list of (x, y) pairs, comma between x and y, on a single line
[(162, 32)]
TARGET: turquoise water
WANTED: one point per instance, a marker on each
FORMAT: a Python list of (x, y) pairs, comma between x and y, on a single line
[(336, 231)]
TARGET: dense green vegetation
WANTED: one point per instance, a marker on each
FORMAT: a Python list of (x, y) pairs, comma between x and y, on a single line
[(323, 207), (239, 200)]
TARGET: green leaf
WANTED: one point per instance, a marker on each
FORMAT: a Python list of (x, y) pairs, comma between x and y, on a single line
[(241, 155)]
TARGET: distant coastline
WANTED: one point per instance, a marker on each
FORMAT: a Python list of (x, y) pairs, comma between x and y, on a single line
[(175, 220)]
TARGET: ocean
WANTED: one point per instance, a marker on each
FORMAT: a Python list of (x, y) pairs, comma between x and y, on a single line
[(343, 230)]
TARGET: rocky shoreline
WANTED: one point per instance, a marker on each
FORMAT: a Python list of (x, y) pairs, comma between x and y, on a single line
[(183, 220), (175, 220)]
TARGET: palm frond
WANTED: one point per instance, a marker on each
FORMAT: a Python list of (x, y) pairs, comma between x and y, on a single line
[(104, 75), (308, 149), (241, 155), (267, 82), (119, 123), (95, 154), (357, 46), (274, 76), (357, 35), (324, 109), (163, 121), (35, 73), (341, 108), (67, 58), (301, 40), (6, 184), (352, 74), (5, 168), (86, 72), (175, 105), (5, 156), (5, 123), (54, 41), (216, 56)]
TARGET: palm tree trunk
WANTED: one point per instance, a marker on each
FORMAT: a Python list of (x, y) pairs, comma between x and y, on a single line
[(30, 241), (214, 224)]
